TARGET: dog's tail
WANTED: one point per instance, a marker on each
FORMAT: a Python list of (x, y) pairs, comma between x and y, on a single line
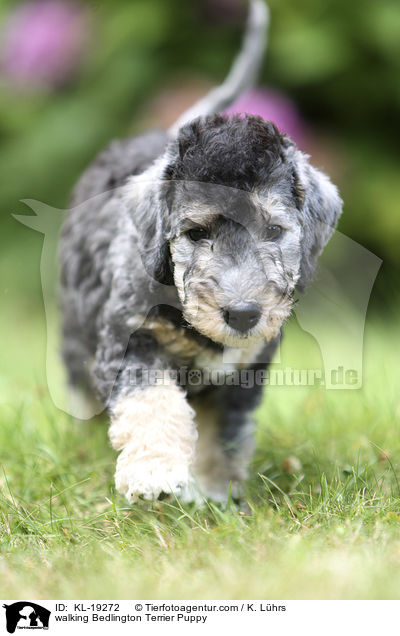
[(243, 73)]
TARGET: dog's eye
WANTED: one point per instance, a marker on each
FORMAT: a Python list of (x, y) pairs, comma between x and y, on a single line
[(198, 233), (274, 231)]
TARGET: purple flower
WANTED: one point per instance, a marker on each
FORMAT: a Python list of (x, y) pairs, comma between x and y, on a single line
[(43, 42), (275, 107), (225, 11)]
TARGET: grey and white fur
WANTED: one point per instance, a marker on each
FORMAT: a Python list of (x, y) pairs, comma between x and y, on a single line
[(179, 244)]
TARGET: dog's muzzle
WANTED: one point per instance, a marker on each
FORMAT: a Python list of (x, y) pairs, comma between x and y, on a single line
[(242, 317)]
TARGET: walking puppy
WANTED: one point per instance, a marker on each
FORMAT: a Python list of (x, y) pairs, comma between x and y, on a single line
[(180, 244)]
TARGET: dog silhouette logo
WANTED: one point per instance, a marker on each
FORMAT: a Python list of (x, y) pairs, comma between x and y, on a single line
[(26, 615)]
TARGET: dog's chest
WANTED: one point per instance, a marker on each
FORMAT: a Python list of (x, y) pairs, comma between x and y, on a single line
[(183, 349)]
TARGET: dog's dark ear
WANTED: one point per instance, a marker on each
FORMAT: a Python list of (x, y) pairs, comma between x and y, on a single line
[(156, 255), (158, 262), (321, 207), (151, 212)]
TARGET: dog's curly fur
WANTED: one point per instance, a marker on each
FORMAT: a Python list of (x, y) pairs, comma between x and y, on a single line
[(139, 294)]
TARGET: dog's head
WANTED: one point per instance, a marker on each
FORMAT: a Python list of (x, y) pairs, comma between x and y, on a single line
[(236, 222)]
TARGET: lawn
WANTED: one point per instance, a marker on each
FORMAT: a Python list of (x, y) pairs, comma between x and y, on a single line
[(322, 513)]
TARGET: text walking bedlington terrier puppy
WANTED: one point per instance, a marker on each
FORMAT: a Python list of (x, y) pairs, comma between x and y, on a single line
[(179, 244)]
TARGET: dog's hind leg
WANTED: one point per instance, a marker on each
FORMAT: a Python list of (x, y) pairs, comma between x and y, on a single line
[(81, 399)]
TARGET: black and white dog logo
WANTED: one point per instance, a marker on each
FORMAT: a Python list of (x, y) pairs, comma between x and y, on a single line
[(26, 615)]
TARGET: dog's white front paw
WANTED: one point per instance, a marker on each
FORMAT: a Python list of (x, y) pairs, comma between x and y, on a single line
[(148, 479), (155, 432)]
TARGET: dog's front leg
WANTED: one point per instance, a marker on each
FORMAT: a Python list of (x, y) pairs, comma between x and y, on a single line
[(152, 425), (154, 429)]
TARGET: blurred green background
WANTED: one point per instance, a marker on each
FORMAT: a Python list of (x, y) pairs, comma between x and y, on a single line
[(74, 76)]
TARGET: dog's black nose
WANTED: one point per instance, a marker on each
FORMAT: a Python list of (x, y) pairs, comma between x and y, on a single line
[(242, 317)]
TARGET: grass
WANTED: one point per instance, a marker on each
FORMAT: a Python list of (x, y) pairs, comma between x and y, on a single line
[(322, 517)]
